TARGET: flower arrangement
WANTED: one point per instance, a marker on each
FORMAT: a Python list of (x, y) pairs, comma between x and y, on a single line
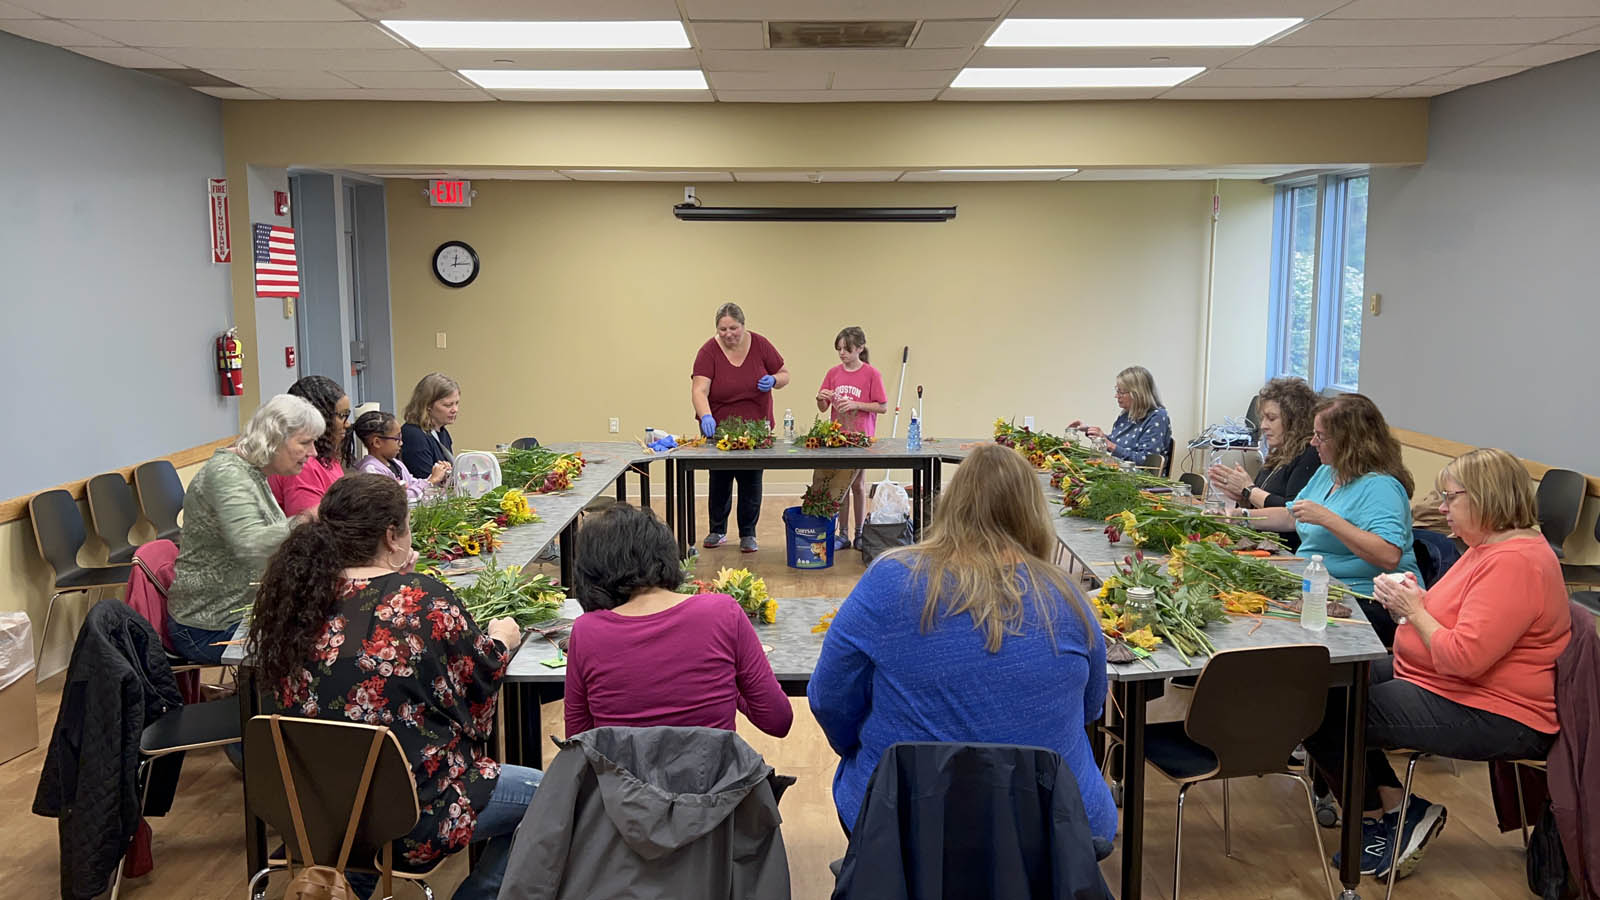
[(819, 501), (832, 434), (1038, 446), (540, 470), (749, 590), (515, 509), (1179, 614), (743, 434)]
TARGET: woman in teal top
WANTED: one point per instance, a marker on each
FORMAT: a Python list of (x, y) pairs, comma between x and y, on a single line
[(1356, 509)]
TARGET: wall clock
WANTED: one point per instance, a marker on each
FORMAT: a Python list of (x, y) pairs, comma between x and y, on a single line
[(455, 264)]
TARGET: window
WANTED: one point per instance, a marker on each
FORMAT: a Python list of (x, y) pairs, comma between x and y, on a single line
[(1319, 261)]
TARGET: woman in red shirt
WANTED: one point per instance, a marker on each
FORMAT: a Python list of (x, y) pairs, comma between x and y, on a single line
[(298, 493), (1473, 672), (734, 376)]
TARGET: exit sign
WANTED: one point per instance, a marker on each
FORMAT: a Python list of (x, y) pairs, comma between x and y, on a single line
[(449, 193)]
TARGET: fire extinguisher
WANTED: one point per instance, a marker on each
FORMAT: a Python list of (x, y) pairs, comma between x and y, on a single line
[(230, 363)]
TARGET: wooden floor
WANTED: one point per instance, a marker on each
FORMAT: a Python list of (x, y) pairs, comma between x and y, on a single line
[(199, 846)]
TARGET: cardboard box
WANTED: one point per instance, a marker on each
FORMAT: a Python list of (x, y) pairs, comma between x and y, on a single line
[(19, 718)]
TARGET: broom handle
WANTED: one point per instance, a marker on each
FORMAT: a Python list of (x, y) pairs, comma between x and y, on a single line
[(894, 431)]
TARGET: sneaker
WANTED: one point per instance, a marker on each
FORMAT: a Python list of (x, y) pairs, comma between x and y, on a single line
[(715, 539), (1422, 821), (1327, 812), (840, 543), (748, 544), (1377, 840)]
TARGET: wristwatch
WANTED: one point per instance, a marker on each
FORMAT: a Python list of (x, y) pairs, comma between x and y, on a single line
[(1244, 497)]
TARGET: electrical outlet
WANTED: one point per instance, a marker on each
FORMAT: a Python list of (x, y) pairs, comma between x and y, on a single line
[(616, 424), (1375, 304), (438, 340), (1027, 421)]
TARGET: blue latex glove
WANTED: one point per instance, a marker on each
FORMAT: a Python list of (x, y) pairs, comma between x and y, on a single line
[(708, 425), (663, 444), (766, 382)]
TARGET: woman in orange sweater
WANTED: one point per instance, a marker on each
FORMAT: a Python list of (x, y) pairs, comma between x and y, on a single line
[(1473, 671)]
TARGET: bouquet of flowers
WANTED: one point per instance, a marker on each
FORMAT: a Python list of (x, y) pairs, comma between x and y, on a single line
[(453, 527), (504, 592), (832, 434), (747, 588), (819, 501), (541, 471), (1039, 446), (1178, 616), (743, 434)]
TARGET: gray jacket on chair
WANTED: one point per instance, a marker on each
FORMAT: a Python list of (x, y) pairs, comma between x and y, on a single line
[(657, 812)]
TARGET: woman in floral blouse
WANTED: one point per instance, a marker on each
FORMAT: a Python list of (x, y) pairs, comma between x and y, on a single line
[(1143, 426), (344, 630)]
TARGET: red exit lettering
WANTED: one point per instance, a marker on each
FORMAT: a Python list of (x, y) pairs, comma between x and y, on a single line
[(449, 193)]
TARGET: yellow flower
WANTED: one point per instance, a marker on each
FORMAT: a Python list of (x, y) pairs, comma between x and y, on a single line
[(1144, 639), (769, 612), (1129, 521), (471, 547), (722, 443)]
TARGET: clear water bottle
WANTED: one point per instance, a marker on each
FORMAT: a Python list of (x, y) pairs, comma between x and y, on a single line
[(1216, 501), (788, 426), (1314, 596), (914, 433)]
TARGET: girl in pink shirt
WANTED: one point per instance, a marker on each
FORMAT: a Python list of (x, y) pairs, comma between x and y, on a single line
[(852, 393), (298, 493)]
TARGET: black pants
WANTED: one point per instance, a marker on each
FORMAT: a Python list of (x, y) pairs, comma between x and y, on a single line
[(1402, 715), (721, 499)]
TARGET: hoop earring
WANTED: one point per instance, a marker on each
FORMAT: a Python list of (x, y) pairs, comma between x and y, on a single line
[(388, 561)]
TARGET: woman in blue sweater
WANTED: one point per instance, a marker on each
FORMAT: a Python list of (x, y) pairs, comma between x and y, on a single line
[(971, 635)]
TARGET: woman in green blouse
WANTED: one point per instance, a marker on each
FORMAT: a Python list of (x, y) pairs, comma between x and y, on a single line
[(232, 525)]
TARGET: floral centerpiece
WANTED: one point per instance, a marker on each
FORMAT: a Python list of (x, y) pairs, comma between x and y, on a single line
[(743, 434), (832, 434), (742, 585), (819, 501)]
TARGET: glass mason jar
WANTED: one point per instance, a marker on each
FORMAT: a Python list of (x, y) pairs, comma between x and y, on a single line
[(1141, 607)]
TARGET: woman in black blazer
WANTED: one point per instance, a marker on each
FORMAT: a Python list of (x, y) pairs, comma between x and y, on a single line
[(426, 448), (1285, 406)]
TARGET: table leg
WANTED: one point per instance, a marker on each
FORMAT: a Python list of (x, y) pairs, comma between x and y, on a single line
[(569, 553), (1133, 790), (686, 493), (644, 484), (525, 726), (255, 830), (670, 481), (917, 500), (1353, 801), (622, 486)]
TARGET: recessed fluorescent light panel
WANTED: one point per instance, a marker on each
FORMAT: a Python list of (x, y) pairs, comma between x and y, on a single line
[(587, 80), (1142, 77), (666, 35), (1137, 32)]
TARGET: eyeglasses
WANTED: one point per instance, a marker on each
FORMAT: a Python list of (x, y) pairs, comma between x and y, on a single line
[(1121, 392), (389, 437), (1450, 495), (1319, 437), (343, 416)]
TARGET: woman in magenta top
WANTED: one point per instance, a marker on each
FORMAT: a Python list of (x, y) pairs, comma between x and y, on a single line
[(734, 376), (643, 654), (852, 393), (298, 493)]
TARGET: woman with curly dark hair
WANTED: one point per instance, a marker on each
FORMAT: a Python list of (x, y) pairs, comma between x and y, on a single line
[(1286, 407), (297, 493), (344, 630)]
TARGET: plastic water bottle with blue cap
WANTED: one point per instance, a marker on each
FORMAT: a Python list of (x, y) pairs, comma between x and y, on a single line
[(914, 433), (1314, 596)]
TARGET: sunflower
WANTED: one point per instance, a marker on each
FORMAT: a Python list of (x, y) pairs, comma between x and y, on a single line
[(1144, 639), (723, 444), (769, 612), (471, 547)]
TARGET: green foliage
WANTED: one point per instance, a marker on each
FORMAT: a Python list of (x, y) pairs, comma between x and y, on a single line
[(504, 592)]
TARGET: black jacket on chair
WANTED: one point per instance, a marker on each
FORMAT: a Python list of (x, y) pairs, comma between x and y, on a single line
[(117, 683), (419, 450), (972, 820)]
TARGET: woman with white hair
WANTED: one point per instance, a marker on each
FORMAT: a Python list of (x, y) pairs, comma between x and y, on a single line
[(232, 525)]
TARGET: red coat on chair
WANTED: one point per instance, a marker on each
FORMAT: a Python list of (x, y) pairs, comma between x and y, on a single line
[(156, 566)]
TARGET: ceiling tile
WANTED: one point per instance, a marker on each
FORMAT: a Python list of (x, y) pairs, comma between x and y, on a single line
[(830, 60), (1007, 94), (233, 93), (467, 94), (48, 31), (1361, 77), (517, 10), (1475, 75), (1251, 77), (819, 176), (605, 96), (267, 79), (1270, 93), (7, 11), (768, 81), (1273, 57), (1136, 9), (257, 58), (826, 96), (196, 10), (447, 81), (127, 57), (1417, 90), (1427, 32), (843, 10), (1543, 54), (878, 81), (1466, 9), (728, 35), (1588, 36), (255, 35), (941, 35), (641, 175), (1037, 57), (564, 59)]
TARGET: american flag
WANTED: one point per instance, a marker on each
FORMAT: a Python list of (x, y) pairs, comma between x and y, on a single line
[(277, 271)]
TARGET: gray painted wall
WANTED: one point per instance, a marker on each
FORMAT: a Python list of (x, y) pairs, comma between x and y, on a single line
[(274, 329), (323, 345), (110, 299), (1485, 259)]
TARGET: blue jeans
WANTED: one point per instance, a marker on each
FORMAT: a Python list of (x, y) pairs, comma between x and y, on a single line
[(497, 823), (198, 644)]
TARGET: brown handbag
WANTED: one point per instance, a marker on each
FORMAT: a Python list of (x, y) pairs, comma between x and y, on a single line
[(322, 882)]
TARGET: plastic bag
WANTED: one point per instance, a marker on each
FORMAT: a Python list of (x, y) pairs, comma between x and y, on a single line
[(16, 647), (890, 504)]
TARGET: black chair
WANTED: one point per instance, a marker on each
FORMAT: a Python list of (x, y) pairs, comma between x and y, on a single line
[(1589, 600), (160, 496), (1559, 500), (1196, 483), (1576, 574), (114, 513), (318, 783), (525, 443), (58, 527), (1223, 738)]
